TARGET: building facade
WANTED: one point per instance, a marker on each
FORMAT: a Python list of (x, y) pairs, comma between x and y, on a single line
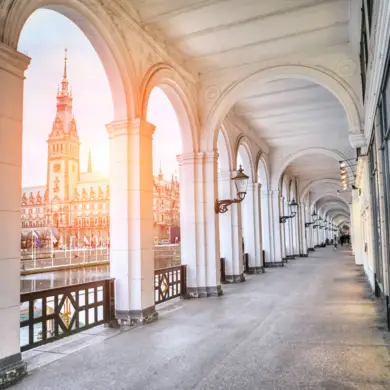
[(73, 205)]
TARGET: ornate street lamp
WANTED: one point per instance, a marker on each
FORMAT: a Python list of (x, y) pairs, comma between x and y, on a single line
[(314, 217), (241, 183), (293, 207)]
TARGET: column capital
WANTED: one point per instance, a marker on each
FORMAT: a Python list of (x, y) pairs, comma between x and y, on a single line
[(130, 126), (13, 61), (196, 157), (189, 158)]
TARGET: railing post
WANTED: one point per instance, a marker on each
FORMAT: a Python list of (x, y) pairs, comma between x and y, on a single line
[(223, 273), (109, 317), (183, 280)]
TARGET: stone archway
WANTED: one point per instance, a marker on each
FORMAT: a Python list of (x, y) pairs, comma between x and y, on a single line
[(104, 37), (243, 88), (165, 77)]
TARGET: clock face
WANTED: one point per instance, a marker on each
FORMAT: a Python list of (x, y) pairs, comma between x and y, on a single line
[(57, 167)]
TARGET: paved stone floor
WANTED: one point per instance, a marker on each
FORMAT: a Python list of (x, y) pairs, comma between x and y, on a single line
[(310, 325)]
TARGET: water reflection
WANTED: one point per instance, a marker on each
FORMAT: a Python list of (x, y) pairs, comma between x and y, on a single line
[(47, 280)]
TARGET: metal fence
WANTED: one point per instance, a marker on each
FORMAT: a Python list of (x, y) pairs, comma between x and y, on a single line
[(169, 283), (46, 261), (48, 315)]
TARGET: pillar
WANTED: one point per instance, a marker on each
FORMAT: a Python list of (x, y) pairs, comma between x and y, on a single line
[(277, 254), (191, 255), (209, 187), (12, 67), (283, 229), (266, 225), (199, 223), (259, 230), (310, 242), (131, 220), (251, 229), (303, 231), (230, 231)]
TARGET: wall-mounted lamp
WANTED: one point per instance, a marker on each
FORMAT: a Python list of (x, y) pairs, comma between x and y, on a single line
[(241, 183), (293, 207), (314, 218)]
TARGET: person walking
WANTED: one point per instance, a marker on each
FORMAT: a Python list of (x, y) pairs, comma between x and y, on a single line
[(335, 242)]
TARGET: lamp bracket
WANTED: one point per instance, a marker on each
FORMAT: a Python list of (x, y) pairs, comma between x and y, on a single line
[(221, 206)]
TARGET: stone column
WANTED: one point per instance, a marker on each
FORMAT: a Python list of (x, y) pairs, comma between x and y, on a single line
[(303, 230), (290, 231), (266, 225), (277, 254), (192, 240), (297, 231), (131, 219), (282, 227), (230, 231), (12, 67), (208, 186), (251, 209), (259, 232), (199, 223)]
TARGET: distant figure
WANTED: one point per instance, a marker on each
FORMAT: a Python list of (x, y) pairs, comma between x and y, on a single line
[(335, 242)]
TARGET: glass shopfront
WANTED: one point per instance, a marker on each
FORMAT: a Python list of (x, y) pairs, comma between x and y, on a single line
[(376, 217)]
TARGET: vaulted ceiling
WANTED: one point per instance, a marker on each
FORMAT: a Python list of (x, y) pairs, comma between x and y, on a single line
[(225, 35), (219, 34)]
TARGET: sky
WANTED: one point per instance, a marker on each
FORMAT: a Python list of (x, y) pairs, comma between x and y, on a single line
[(44, 38)]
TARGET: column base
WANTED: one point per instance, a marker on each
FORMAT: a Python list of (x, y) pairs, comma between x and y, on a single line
[(12, 370), (274, 264), (137, 317), (204, 292), (255, 270), (285, 260), (311, 250), (290, 257), (235, 278), (304, 255)]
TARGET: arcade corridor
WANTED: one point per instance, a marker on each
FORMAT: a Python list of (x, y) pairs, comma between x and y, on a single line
[(310, 325)]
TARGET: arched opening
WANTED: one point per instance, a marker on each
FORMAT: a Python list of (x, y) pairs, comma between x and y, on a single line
[(167, 145), (67, 182), (69, 97)]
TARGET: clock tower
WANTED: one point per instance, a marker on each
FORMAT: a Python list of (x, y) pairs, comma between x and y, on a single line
[(63, 168)]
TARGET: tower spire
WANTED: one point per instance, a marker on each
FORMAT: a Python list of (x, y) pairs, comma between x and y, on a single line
[(65, 83), (89, 162), (65, 63)]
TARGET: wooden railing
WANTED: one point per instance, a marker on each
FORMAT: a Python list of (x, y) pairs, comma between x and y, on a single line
[(169, 283), (49, 315)]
